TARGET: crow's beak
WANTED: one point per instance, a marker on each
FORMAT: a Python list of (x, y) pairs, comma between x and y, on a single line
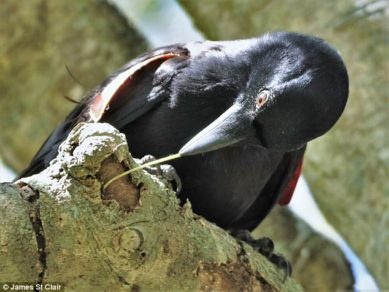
[(231, 127)]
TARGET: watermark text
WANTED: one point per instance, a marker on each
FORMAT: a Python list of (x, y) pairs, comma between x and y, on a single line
[(30, 286)]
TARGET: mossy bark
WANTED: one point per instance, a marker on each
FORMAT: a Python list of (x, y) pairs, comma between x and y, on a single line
[(59, 226)]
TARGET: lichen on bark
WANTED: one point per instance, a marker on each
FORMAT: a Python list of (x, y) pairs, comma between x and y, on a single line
[(142, 238)]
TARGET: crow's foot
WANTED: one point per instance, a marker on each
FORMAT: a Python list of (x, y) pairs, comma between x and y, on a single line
[(264, 246), (166, 171)]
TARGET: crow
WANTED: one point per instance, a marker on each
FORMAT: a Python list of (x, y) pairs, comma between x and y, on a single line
[(240, 113)]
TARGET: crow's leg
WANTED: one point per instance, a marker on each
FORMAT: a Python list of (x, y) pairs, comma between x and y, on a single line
[(166, 171), (264, 246)]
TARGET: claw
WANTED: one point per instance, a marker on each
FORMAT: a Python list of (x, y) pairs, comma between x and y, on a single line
[(170, 174), (165, 170), (155, 169), (264, 246), (242, 235), (281, 263), (146, 158)]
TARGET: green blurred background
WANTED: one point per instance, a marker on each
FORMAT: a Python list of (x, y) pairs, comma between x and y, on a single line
[(348, 168)]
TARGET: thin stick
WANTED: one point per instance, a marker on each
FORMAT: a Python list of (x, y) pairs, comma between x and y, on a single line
[(151, 163)]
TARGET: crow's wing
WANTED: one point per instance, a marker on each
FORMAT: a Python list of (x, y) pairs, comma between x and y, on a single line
[(279, 188), (120, 99)]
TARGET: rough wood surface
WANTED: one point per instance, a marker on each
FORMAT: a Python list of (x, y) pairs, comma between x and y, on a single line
[(58, 226)]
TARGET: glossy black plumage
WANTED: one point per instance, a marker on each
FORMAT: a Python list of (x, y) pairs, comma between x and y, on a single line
[(245, 149)]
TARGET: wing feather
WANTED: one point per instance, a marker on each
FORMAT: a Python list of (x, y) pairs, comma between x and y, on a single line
[(120, 99)]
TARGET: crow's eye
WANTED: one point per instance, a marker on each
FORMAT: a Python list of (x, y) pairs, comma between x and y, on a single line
[(262, 98)]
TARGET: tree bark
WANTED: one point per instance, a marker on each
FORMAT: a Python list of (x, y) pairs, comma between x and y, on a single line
[(61, 226)]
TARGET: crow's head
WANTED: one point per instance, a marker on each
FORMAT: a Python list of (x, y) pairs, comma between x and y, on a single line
[(296, 89)]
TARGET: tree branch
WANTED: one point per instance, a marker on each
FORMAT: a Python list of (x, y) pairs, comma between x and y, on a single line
[(59, 227)]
